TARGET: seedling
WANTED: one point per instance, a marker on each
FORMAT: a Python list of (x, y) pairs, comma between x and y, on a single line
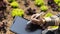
[(57, 1), (51, 27), (48, 15), (44, 8), (59, 4), (17, 12), (14, 4), (39, 2), (58, 9)]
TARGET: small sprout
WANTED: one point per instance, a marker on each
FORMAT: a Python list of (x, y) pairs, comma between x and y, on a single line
[(59, 4), (58, 9), (14, 4), (11, 1), (54, 26), (48, 15), (44, 8), (17, 12), (57, 1), (39, 2)]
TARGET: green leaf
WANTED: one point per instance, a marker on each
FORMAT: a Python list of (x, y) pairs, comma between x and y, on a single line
[(39, 2), (20, 12), (14, 4), (58, 9), (44, 8), (53, 27), (57, 1), (48, 15), (17, 12), (59, 4)]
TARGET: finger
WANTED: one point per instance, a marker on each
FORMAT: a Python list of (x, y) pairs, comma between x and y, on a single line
[(37, 15), (36, 19), (33, 16)]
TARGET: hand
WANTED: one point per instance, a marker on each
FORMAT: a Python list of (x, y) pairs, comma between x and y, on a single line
[(35, 20)]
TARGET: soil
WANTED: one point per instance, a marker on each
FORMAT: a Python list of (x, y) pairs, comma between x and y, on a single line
[(10, 19)]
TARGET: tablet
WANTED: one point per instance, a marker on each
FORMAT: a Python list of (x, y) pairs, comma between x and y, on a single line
[(20, 25)]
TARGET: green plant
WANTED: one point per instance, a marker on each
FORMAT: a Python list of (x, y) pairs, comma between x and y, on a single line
[(14, 4), (48, 15), (54, 26), (58, 9), (59, 4), (57, 1), (39, 2), (17, 12), (44, 8), (11, 1)]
